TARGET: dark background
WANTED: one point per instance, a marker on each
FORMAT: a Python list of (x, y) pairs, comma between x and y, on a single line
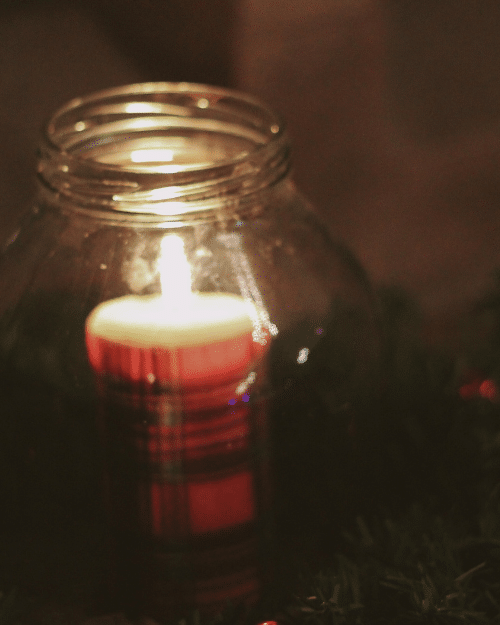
[(393, 105)]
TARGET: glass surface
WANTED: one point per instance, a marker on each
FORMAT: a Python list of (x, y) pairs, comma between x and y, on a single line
[(206, 480)]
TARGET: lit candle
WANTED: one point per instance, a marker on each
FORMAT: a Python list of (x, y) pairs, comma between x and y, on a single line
[(182, 416), (203, 340)]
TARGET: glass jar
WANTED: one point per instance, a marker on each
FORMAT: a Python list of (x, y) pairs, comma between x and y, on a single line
[(173, 291)]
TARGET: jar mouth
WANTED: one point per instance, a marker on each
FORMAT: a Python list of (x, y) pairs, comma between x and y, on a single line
[(161, 149)]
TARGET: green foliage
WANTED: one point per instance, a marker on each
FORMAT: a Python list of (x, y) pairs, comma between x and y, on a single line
[(430, 552), (415, 570)]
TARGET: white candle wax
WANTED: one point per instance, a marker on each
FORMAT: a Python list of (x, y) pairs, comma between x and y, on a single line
[(153, 321)]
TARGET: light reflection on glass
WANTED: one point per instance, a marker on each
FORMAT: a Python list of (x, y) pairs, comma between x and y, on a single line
[(151, 155), (303, 355)]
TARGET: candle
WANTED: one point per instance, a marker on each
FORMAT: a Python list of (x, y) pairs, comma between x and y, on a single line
[(205, 340), (175, 372)]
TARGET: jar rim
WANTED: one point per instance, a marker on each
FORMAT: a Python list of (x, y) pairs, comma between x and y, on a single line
[(161, 149)]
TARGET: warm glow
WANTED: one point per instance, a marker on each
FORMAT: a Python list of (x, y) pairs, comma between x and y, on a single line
[(247, 382), (175, 272), (140, 123), (488, 390), (152, 155), (303, 355), (164, 193), (141, 108)]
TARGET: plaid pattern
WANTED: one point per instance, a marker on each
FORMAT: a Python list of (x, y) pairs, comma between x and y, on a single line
[(187, 473)]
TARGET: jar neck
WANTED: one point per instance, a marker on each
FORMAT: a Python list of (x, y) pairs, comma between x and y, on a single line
[(161, 151)]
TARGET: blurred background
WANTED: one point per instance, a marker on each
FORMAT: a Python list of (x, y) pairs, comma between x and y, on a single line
[(393, 107)]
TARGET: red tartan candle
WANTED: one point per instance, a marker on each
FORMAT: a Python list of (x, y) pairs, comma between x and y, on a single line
[(201, 350), (207, 340), (174, 374)]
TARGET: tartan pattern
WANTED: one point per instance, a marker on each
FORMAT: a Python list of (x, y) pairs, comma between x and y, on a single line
[(187, 478), (200, 366)]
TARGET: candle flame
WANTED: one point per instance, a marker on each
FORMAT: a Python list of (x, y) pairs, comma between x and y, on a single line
[(175, 272)]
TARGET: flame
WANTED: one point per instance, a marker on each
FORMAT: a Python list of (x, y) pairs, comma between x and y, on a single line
[(175, 272)]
